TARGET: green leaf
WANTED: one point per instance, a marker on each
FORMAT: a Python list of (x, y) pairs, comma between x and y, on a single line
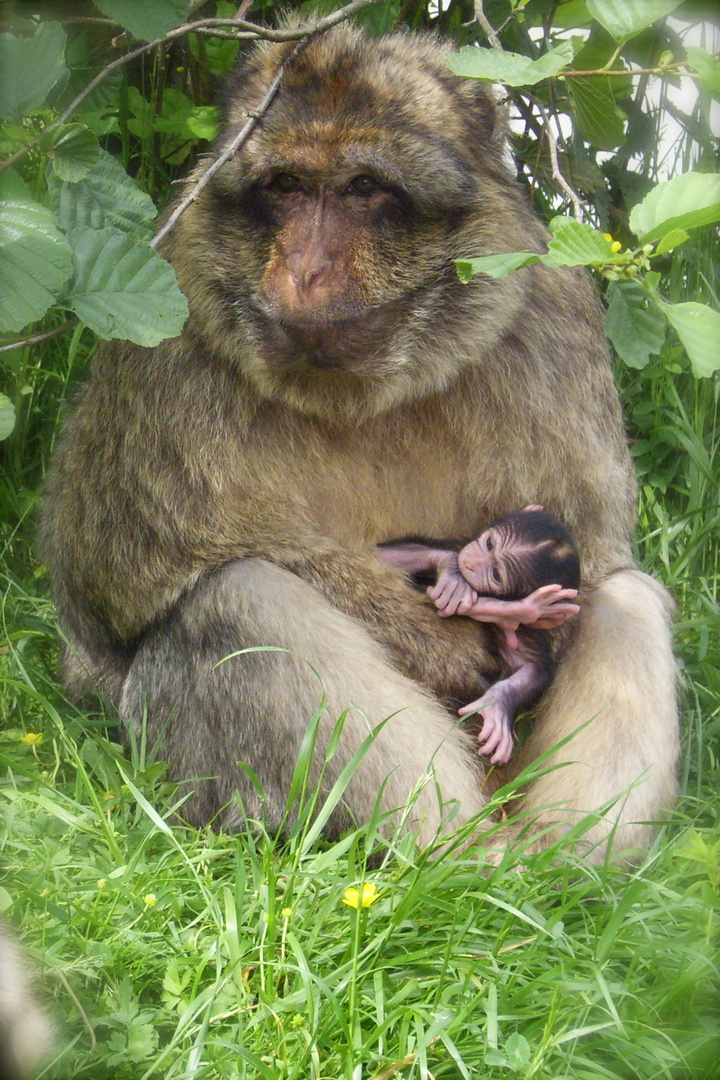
[(122, 288), (74, 152), (707, 67), (634, 322), (671, 240), (599, 120), (698, 328), (146, 21), (497, 266), (7, 416), (624, 19), (576, 244), (685, 202), (105, 196), (518, 1052), (142, 1040), (35, 258), (180, 116), (30, 68), (513, 69)]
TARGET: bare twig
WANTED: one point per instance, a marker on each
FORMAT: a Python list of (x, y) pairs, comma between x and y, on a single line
[(61, 976), (555, 164), (37, 337), (482, 19), (230, 150), (246, 32)]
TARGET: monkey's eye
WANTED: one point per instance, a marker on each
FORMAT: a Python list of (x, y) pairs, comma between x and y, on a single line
[(488, 542), (362, 185), (285, 183), (495, 575)]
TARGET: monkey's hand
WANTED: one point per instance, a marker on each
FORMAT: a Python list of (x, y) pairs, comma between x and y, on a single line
[(451, 592), (547, 607)]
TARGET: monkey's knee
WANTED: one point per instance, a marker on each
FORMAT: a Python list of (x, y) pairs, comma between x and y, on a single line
[(239, 671), (25, 1031), (614, 700)]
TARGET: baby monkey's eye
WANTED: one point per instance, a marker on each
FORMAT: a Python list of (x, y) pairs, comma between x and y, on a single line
[(285, 183), (495, 575), (362, 185)]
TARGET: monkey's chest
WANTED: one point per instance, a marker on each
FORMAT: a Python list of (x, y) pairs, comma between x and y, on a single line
[(366, 499)]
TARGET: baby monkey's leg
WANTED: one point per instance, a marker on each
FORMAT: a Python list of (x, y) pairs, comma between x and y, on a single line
[(500, 704)]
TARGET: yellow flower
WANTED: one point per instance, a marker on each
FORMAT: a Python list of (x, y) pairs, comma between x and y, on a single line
[(607, 236), (33, 738), (286, 912), (101, 883), (150, 899), (616, 246), (356, 899)]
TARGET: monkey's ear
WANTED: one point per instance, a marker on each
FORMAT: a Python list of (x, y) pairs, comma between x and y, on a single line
[(235, 85), (485, 112)]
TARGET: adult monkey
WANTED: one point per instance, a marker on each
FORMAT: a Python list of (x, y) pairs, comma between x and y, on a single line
[(336, 387)]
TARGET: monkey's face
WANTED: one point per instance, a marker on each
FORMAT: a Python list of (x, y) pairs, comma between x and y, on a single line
[(502, 564), (335, 226)]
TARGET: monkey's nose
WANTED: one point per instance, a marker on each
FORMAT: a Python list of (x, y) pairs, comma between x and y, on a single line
[(306, 275)]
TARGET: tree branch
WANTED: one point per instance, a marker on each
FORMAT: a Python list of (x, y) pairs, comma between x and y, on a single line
[(547, 127), (246, 32), (230, 150), (37, 337)]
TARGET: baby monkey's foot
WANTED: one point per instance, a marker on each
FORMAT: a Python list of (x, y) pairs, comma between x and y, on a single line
[(495, 740)]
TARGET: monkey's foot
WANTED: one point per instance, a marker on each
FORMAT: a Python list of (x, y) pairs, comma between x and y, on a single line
[(495, 740)]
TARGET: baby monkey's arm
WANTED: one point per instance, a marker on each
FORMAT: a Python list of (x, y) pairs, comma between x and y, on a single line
[(450, 590)]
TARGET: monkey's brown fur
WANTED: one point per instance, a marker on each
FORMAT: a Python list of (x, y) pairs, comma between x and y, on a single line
[(337, 387)]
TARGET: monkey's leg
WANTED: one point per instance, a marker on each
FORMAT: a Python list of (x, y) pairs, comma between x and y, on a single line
[(619, 673), (255, 708), (25, 1032)]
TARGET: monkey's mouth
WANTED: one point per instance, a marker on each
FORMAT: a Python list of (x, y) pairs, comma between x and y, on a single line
[(355, 343)]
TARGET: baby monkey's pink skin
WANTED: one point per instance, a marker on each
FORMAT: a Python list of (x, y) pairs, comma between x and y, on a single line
[(471, 582)]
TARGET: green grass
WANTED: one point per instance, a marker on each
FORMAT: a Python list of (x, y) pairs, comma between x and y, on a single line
[(167, 952)]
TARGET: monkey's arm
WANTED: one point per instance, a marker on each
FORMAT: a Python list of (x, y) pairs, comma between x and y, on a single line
[(450, 591), (447, 657), (416, 558), (545, 608)]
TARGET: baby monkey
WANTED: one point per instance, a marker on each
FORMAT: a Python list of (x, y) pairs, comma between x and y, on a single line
[(522, 571)]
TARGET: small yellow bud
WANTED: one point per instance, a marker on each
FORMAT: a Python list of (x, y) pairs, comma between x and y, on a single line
[(616, 246), (607, 236), (150, 899), (354, 898), (101, 883), (286, 912), (33, 738)]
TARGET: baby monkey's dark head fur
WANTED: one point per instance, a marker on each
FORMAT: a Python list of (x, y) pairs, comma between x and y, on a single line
[(532, 548)]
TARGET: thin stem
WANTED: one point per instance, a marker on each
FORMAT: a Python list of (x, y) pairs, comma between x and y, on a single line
[(229, 152), (248, 32)]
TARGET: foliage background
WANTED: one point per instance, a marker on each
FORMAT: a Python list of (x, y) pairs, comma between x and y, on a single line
[(171, 952)]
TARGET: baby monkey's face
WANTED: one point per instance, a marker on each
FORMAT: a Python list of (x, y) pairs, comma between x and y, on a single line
[(498, 563)]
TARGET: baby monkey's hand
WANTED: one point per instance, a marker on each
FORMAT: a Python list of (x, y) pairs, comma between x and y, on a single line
[(452, 592), (547, 607)]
